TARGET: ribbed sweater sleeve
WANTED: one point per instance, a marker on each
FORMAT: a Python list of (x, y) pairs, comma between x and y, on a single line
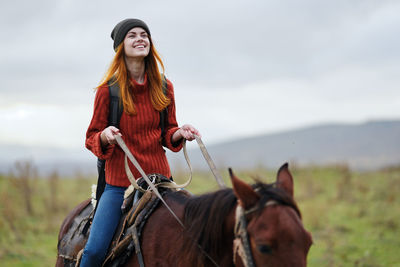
[(172, 125), (98, 123)]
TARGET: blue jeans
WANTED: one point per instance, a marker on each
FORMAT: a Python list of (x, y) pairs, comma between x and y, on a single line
[(104, 224)]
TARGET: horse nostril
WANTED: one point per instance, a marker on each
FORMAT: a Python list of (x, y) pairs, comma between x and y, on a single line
[(265, 249)]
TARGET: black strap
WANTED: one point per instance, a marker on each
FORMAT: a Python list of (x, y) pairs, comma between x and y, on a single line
[(116, 109), (114, 116), (164, 112)]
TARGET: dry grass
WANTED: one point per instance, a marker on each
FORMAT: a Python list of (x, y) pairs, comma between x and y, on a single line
[(354, 217)]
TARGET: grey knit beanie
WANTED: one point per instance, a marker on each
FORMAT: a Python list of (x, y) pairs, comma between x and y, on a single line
[(123, 27)]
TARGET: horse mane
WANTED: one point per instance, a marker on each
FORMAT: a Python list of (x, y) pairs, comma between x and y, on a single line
[(205, 220)]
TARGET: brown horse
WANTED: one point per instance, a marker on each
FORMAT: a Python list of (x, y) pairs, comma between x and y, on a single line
[(258, 225)]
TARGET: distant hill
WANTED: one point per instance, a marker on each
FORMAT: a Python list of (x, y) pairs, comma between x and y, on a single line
[(365, 146)]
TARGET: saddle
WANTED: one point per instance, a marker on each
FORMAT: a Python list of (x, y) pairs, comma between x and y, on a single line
[(136, 209)]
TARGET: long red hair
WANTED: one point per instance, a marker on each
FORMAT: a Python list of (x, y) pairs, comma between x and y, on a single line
[(119, 71)]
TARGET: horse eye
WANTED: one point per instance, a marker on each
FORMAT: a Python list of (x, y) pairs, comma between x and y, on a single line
[(265, 249)]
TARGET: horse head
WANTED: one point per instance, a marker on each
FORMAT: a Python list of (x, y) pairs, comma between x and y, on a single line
[(269, 221)]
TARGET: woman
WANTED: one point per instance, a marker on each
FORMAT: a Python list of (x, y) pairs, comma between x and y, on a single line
[(135, 67)]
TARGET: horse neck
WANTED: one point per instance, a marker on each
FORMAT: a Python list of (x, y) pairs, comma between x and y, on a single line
[(210, 223)]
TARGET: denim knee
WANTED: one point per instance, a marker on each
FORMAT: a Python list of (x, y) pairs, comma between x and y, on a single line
[(92, 257)]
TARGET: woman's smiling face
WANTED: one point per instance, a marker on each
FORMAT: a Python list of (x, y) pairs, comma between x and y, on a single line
[(137, 43)]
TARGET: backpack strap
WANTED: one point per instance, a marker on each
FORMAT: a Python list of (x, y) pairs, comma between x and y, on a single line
[(114, 116), (164, 112), (115, 108)]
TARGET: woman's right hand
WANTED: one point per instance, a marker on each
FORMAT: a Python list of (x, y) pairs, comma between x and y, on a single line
[(107, 135)]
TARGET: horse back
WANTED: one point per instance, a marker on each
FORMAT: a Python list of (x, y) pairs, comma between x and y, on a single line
[(162, 233)]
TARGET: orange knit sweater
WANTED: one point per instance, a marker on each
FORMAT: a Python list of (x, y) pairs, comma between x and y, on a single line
[(141, 133)]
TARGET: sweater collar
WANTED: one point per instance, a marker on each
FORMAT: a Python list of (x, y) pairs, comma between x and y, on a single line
[(139, 87)]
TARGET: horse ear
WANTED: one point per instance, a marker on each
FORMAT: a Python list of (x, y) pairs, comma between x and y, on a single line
[(245, 194), (284, 179)]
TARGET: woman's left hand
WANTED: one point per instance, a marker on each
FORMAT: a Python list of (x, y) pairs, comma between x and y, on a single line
[(187, 131)]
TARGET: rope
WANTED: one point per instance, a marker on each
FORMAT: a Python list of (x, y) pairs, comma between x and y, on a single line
[(210, 162), (241, 244), (128, 154), (163, 184)]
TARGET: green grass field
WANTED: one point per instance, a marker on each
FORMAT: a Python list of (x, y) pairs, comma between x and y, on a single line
[(354, 217)]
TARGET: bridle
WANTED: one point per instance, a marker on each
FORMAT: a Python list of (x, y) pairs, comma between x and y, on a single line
[(241, 243)]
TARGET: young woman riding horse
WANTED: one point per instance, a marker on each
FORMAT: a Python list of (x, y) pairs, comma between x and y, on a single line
[(135, 69)]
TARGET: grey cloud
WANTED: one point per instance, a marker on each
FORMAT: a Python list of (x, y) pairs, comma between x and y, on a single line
[(210, 43), (295, 62)]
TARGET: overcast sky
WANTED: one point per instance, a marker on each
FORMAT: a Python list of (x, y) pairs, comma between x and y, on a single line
[(239, 67)]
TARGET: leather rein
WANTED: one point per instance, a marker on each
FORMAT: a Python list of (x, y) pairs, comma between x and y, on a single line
[(128, 155), (241, 243)]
